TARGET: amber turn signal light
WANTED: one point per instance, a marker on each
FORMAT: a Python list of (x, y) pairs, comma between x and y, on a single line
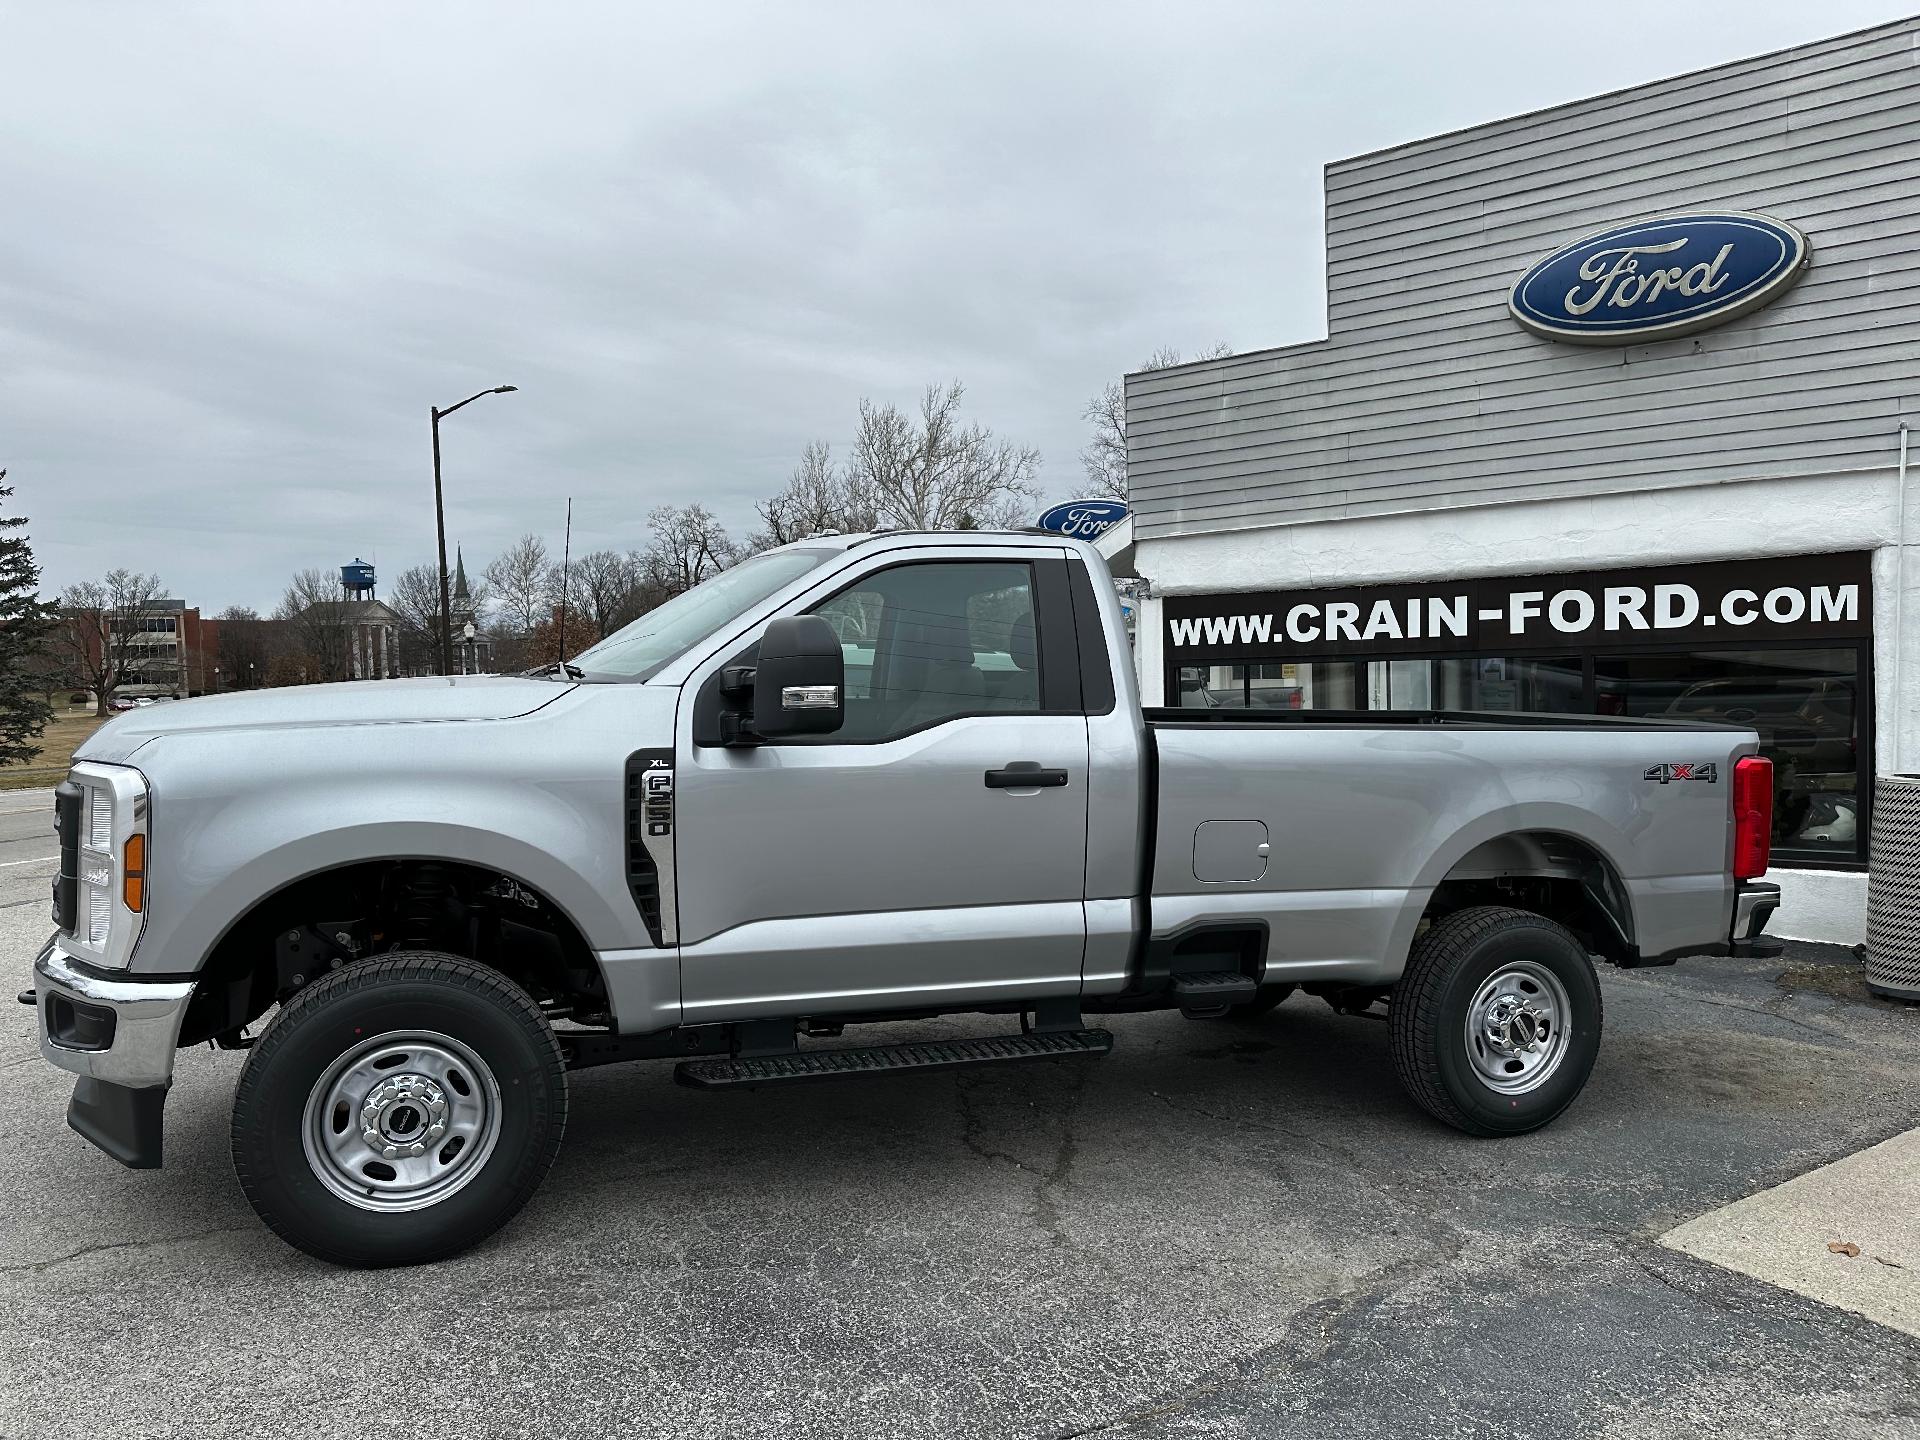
[(133, 884)]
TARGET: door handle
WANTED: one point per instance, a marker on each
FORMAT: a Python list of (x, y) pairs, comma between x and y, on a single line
[(1024, 775)]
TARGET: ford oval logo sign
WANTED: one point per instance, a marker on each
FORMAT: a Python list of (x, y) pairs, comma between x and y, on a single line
[(1084, 519), (1659, 278)]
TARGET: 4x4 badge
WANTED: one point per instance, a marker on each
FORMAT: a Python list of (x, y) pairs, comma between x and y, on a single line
[(1709, 772)]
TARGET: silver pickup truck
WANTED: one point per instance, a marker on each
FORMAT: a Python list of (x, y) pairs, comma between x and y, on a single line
[(859, 778)]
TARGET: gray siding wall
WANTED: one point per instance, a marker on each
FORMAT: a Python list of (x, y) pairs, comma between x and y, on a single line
[(1427, 395)]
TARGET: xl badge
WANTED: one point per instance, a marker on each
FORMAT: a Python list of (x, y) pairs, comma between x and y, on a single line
[(1709, 772)]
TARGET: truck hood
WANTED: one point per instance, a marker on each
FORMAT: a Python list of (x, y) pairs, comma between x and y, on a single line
[(356, 702)]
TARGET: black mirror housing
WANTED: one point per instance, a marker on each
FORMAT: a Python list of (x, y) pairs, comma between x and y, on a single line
[(799, 687)]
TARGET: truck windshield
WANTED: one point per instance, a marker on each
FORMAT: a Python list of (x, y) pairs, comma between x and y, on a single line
[(636, 651)]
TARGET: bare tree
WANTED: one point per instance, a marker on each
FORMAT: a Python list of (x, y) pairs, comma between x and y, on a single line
[(414, 595), (689, 545), (606, 589), (319, 619), (519, 580), (1105, 458), (103, 629), (928, 471), (244, 648), (819, 498)]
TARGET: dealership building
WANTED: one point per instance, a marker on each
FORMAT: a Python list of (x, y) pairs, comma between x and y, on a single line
[(1610, 418)]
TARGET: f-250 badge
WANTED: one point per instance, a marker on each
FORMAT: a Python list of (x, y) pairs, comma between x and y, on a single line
[(1708, 772)]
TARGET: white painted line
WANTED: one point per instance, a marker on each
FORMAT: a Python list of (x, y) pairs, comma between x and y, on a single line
[(1847, 1234), (41, 861)]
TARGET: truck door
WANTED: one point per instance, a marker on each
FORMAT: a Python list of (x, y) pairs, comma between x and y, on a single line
[(932, 850)]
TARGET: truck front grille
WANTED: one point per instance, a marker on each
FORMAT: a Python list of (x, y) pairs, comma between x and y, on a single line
[(68, 801), (643, 876)]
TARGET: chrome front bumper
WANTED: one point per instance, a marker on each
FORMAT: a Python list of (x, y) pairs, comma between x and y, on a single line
[(120, 1031)]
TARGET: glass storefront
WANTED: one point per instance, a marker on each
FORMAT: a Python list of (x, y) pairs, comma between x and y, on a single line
[(1291, 685), (1805, 704)]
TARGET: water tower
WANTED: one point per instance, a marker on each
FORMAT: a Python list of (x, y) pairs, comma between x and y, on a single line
[(357, 579)]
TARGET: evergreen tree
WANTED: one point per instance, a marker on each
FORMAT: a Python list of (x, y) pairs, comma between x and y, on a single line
[(25, 620)]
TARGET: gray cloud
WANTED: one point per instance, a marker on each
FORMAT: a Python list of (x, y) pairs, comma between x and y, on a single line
[(245, 247)]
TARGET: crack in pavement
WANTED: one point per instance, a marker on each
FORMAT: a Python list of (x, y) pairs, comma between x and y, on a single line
[(1057, 1176), (1695, 998), (1334, 1313), (41, 1266)]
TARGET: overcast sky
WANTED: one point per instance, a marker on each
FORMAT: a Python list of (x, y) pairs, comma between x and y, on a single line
[(244, 248)]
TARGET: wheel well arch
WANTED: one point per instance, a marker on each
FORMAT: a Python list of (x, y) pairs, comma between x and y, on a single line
[(332, 917), (1552, 873)]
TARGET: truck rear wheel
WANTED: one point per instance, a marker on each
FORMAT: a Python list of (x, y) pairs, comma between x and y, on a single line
[(399, 1110), (1496, 1022)]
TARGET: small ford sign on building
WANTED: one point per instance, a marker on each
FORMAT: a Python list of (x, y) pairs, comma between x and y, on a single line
[(1083, 519), (1660, 278)]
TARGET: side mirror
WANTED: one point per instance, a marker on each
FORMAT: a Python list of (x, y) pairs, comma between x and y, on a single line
[(798, 685)]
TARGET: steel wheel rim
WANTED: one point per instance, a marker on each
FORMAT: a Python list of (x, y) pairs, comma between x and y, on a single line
[(401, 1121), (1517, 1030)]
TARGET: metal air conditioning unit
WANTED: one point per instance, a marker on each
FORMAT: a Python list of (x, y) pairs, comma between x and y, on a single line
[(1893, 889)]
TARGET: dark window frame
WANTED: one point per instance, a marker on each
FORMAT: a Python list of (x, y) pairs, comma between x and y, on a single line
[(1056, 658)]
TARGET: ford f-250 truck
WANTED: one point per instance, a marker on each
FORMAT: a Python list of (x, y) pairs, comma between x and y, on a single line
[(858, 778)]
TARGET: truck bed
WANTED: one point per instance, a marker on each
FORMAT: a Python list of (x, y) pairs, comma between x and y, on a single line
[(1330, 830)]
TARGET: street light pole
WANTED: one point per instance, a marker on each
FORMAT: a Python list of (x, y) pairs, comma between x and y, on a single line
[(440, 524)]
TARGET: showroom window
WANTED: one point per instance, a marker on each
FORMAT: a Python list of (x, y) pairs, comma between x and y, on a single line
[(1293, 685), (1806, 705)]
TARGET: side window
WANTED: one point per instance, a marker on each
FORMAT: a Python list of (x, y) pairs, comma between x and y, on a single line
[(930, 642)]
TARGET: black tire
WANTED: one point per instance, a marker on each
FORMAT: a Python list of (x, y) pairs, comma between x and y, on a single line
[(1432, 1050), (474, 1028), (1266, 999)]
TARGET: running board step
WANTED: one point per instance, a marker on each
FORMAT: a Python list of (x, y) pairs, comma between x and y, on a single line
[(892, 1059), (1204, 994)]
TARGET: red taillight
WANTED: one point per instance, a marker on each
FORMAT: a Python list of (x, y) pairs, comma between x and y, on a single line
[(1752, 816)]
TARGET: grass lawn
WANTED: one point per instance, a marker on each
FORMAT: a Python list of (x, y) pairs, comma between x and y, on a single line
[(57, 744)]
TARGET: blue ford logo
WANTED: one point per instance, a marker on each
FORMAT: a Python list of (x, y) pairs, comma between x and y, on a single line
[(1084, 519), (1655, 279)]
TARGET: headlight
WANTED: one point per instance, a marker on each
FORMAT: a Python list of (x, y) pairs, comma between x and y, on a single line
[(110, 869), (99, 917), (100, 819)]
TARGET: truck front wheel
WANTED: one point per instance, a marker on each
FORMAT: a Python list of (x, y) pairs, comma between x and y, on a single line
[(1496, 1022), (399, 1110)]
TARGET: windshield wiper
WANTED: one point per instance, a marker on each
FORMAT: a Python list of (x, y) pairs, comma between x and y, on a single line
[(572, 672)]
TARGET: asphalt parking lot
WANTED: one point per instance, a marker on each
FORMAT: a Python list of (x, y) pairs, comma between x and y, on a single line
[(1224, 1229)]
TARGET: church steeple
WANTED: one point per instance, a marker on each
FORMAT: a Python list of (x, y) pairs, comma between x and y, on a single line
[(459, 576)]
